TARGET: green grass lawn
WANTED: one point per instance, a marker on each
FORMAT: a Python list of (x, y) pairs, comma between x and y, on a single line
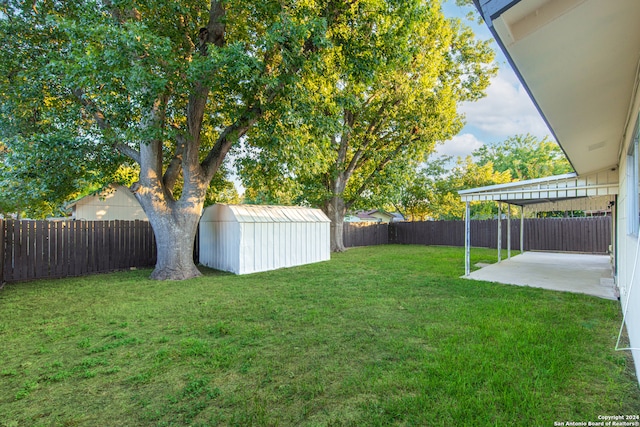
[(386, 335)]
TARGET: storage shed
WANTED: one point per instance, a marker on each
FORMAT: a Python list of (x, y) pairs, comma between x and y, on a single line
[(246, 239)]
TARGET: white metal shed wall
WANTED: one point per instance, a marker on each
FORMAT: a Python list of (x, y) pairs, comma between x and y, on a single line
[(246, 239)]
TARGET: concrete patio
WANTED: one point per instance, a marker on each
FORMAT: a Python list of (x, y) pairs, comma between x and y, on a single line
[(579, 273)]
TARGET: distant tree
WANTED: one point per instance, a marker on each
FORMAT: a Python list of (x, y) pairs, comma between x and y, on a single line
[(418, 197), (384, 95), (434, 192), (525, 156), (222, 190)]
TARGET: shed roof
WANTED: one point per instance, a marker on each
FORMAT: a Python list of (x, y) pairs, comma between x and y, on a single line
[(559, 192), (262, 214)]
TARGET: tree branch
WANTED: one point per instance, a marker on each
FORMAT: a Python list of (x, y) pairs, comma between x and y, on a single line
[(366, 155), (214, 34), (377, 170), (172, 172), (349, 119), (102, 123), (223, 144), (374, 124), (400, 211), (131, 153), (233, 132)]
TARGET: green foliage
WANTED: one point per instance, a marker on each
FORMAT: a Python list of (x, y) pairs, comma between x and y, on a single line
[(98, 79), (39, 173), (433, 193), (385, 92), (171, 85), (525, 156), (220, 190), (472, 13)]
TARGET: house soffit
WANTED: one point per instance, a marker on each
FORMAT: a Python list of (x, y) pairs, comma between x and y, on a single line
[(579, 61)]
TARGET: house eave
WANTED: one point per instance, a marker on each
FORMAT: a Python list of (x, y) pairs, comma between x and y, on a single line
[(578, 60)]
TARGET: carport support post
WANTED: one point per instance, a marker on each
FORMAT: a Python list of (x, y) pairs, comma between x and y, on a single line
[(508, 231), (467, 240), (522, 229), (499, 231)]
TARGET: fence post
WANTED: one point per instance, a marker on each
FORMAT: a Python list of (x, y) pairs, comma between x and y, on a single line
[(2, 239), (391, 236), (508, 231), (467, 239), (522, 229), (499, 232)]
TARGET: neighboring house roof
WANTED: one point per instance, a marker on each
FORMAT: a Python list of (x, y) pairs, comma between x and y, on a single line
[(379, 215), (578, 59), (99, 193), (351, 218), (368, 215), (397, 216)]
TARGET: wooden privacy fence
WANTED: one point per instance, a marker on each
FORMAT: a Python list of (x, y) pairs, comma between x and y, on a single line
[(588, 235), (364, 234), (50, 249)]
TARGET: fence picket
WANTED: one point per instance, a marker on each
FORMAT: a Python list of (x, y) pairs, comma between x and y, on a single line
[(91, 266), (38, 246), (113, 243), (21, 251)]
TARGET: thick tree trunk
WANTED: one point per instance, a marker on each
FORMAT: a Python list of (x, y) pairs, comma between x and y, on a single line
[(174, 242), (174, 224), (175, 234), (335, 209)]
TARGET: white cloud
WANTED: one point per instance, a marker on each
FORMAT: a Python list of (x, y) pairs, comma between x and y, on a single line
[(460, 146), (506, 111)]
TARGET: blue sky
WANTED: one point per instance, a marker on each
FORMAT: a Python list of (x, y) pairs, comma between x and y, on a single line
[(506, 111)]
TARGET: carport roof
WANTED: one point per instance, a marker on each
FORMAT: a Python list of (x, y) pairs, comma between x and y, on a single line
[(560, 192)]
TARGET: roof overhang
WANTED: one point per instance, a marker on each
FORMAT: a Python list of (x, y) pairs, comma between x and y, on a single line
[(589, 192), (578, 59)]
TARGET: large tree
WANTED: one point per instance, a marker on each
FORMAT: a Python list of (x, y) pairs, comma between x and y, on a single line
[(170, 85), (388, 92)]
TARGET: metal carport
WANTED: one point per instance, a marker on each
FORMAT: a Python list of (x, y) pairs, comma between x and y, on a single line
[(595, 191)]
